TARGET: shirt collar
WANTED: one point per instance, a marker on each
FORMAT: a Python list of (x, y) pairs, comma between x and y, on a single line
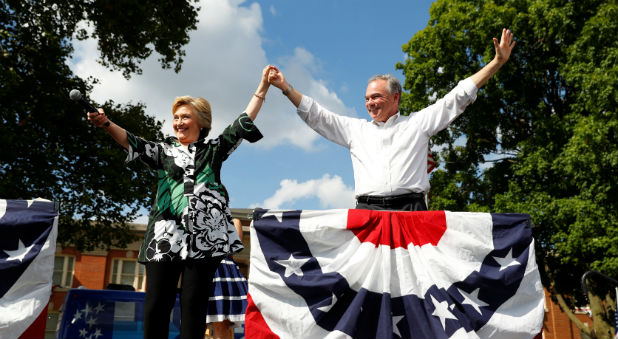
[(390, 120)]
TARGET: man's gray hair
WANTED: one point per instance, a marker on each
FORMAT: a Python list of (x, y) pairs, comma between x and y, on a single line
[(392, 84)]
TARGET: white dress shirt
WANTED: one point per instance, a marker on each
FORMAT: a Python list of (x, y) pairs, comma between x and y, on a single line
[(389, 158)]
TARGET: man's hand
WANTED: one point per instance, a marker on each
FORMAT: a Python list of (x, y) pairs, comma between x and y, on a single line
[(503, 52), (276, 78), (504, 47)]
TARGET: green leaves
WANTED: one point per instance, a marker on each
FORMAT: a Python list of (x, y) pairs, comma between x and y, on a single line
[(47, 148), (541, 137), (162, 26)]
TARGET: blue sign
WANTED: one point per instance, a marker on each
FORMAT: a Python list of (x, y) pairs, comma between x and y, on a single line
[(103, 314)]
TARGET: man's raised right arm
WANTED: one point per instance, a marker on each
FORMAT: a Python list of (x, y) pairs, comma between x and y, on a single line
[(334, 127), (277, 79)]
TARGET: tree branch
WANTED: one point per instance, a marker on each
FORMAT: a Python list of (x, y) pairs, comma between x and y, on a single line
[(567, 310), (512, 159)]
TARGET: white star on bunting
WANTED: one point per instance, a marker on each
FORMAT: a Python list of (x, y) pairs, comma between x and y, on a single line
[(507, 261), (442, 311), (327, 308), (99, 308), (86, 310), (292, 265), (76, 317), (473, 300), (20, 252), (396, 320)]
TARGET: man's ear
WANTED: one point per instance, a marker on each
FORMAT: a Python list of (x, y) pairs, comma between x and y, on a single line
[(397, 97)]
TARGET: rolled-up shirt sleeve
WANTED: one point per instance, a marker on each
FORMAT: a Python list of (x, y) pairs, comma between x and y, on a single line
[(438, 116), (334, 127)]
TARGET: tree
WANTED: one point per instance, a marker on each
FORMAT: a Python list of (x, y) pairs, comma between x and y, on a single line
[(48, 149), (541, 137)]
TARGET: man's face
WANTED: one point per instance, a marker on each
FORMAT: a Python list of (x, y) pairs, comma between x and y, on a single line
[(380, 104)]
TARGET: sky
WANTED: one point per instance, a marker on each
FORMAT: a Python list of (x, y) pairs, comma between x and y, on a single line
[(325, 49)]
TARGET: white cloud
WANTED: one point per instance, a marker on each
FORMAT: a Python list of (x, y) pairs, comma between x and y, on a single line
[(279, 115), (329, 190), (223, 64)]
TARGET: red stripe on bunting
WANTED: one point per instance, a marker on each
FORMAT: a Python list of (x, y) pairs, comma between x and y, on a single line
[(255, 325), (397, 229)]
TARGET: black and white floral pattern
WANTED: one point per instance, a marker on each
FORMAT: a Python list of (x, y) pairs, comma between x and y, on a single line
[(190, 217)]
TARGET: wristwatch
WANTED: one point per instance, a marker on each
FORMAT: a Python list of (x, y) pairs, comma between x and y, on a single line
[(287, 91)]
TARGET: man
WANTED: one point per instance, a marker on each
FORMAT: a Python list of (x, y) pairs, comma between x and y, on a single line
[(389, 153)]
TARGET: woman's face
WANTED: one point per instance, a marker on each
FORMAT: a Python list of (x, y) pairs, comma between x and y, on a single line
[(185, 125)]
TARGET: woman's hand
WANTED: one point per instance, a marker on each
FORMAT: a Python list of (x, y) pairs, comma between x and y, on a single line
[(253, 108), (98, 119), (266, 74), (276, 78)]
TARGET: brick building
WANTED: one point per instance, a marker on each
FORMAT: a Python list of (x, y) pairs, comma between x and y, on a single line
[(557, 325), (97, 269)]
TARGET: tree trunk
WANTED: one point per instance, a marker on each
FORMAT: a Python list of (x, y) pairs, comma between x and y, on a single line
[(567, 310), (611, 309), (602, 328)]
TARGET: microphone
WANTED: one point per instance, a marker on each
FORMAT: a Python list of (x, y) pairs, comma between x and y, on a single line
[(76, 95)]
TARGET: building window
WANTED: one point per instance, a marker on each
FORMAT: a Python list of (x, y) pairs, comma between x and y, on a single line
[(63, 271), (128, 272)]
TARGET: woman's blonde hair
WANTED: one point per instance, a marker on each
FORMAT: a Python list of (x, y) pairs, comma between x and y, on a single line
[(201, 107)]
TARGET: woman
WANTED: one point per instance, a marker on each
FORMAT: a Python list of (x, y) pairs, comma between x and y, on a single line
[(190, 226)]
